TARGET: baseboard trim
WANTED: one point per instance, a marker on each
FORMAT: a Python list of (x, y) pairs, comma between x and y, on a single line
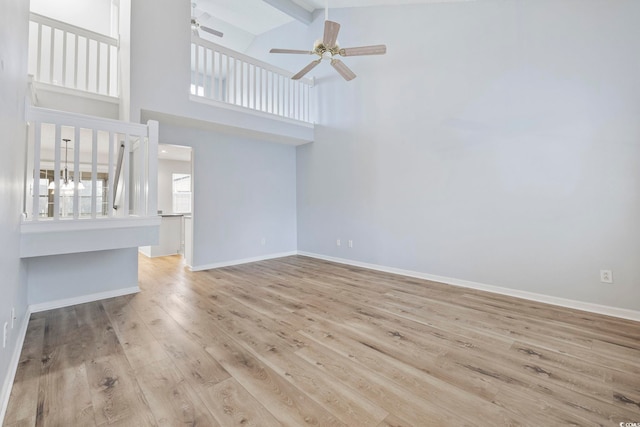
[(562, 302), (242, 261), (51, 305), (13, 367)]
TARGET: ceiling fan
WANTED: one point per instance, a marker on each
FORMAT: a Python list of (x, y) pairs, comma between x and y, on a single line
[(195, 22), (328, 48)]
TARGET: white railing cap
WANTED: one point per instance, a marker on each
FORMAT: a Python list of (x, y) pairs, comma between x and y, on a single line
[(45, 115), (246, 58), (54, 23)]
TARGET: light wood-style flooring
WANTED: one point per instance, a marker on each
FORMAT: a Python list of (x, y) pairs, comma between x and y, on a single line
[(298, 341)]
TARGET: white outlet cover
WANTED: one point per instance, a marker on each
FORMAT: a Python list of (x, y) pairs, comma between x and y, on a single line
[(606, 276)]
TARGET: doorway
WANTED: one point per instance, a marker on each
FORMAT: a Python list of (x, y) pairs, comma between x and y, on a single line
[(175, 203)]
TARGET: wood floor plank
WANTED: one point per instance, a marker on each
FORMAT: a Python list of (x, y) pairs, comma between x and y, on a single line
[(96, 331), (61, 327), (412, 409), (138, 344), (25, 422), (230, 403), (115, 393), (24, 394), (448, 394), (64, 398), (393, 421), (565, 399), (171, 398), (195, 364), (286, 402), (347, 404)]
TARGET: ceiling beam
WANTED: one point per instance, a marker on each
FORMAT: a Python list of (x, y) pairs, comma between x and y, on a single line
[(292, 9)]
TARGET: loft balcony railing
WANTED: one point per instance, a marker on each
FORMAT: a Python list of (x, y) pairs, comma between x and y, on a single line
[(82, 168), (64, 55), (232, 79)]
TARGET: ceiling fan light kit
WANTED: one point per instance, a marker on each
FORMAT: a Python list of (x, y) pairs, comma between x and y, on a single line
[(328, 48)]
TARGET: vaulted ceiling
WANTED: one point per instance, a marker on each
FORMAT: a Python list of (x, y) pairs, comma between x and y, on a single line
[(243, 20)]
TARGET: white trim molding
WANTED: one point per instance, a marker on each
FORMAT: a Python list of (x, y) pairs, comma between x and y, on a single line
[(7, 386), (51, 305), (547, 299), (241, 261)]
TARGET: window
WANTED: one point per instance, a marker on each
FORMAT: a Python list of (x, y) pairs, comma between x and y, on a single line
[(199, 89), (181, 193)]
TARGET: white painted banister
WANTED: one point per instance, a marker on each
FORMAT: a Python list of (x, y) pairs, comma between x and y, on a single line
[(75, 183), (233, 79), (73, 57)]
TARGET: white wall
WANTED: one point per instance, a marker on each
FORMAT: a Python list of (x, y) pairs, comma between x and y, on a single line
[(75, 276), (244, 190), (496, 142), (94, 15), (13, 83), (166, 168)]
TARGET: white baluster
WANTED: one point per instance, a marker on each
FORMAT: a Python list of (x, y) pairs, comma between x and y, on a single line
[(113, 139), (56, 175), (76, 172), (52, 47), (94, 172), (125, 174), (39, 54), (37, 143), (64, 58)]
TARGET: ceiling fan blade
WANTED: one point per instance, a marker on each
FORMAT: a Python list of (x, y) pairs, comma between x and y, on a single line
[(344, 71), (378, 49), (290, 51), (211, 31), (306, 69), (330, 37)]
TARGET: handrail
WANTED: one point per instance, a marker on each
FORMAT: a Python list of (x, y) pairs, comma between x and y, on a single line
[(47, 115), (235, 80), (66, 55), (246, 58), (35, 17), (117, 189)]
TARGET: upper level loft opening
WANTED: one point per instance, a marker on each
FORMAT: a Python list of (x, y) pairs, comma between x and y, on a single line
[(85, 57), (74, 55)]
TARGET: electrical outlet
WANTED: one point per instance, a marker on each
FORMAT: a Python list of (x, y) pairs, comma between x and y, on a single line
[(606, 276), (350, 243), (338, 242), (263, 241), (5, 333)]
